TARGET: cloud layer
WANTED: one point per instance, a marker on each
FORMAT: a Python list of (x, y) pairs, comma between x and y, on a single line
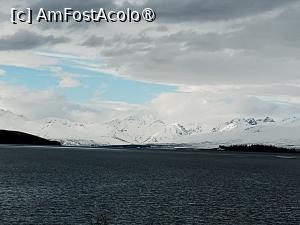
[(227, 57)]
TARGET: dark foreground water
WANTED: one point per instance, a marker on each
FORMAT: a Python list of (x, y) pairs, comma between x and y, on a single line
[(67, 186)]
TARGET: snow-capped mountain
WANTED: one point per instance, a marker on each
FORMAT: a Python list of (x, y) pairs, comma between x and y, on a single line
[(148, 129), (242, 123), (145, 129), (134, 129), (284, 132)]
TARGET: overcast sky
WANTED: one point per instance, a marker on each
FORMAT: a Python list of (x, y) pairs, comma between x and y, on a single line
[(199, 60)]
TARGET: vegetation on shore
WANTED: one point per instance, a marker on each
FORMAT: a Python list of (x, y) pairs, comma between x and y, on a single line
[(258, 148)]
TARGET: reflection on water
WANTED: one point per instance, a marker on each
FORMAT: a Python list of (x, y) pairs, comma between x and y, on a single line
[(56, 186)]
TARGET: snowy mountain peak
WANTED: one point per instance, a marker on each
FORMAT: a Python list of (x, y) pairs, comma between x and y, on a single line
[(251, 121), (268, 120), (147, 129), (243, 123), (237, 123), (194, 128)]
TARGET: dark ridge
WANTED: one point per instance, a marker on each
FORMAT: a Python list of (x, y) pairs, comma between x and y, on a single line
[(258, 148), (20, 138)]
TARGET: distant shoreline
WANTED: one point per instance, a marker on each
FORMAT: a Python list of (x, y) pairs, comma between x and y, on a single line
[(186, 148), (21, 139)]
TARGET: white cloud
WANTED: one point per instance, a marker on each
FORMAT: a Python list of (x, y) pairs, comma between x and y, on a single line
[(208, 107), (66, 79), (37, 105), (25, 59), (184, 107), (234, 58), (2, 72), (250, 43), (68, 82)]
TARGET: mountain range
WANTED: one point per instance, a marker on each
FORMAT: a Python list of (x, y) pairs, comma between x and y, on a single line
[(147, 129)]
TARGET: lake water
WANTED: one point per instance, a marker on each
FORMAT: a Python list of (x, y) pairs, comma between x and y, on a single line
[(71, 186)]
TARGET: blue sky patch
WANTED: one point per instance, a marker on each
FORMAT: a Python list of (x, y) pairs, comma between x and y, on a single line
[(92, 84)]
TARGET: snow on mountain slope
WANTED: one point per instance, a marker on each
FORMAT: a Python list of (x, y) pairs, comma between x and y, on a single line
[(135, 129), (251, 131), (11, 121), (147, 129), (241, 123)]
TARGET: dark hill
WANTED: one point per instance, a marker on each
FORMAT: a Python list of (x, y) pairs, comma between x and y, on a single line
[(20, 138)]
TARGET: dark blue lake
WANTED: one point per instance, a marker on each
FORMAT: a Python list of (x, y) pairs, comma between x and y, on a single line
[(50, 186)]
